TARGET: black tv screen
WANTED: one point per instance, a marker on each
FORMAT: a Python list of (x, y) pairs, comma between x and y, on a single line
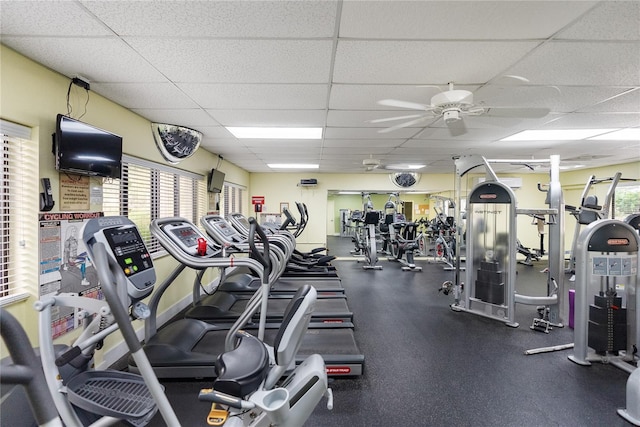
[(83, 149), (215, 181)]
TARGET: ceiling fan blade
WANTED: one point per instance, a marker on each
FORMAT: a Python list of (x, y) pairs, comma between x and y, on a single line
[(510, 79), (404, 104), (404, 125), (388, 119), (527, 113), (456, 127)]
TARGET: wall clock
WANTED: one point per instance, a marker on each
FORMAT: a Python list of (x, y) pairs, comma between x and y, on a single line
[(405, 179)]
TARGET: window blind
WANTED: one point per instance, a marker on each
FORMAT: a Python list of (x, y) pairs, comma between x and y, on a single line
[(18, 214), (147, 191), (232, 196)]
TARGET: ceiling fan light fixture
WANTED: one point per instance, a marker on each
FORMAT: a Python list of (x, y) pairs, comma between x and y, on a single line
[(451, 116)]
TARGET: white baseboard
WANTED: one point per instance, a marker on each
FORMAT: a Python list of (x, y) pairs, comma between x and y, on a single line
[(120, 350)]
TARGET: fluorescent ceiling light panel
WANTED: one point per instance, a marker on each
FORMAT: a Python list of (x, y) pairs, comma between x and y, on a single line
[(621, 135), (404, 166), (556, 134), (293, 166), (275, 133)]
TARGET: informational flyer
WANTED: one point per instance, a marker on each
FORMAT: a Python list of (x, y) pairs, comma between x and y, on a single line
[(614, 265), (74, 192), (64, 264)]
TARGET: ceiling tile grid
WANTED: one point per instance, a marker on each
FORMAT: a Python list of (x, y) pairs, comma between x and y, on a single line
[(210, 64)]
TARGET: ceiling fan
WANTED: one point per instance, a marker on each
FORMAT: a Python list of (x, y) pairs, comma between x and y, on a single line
[(452, 105)]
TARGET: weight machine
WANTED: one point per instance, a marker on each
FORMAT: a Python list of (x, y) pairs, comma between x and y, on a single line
[(608, 329), (589, 209), (491, 251)]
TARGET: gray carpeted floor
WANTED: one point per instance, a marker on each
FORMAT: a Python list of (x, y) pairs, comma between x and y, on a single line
[(427, 365)]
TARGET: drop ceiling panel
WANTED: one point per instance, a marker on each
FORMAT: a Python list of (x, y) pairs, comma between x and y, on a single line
[(457, 20), (145, 95), (628, 101), (266, 145), (237, 61), (364, 152), (367, 133), (97, 59), (345, 118), (566, 63), (62, 18), (441, 61), (597, 23), (219, 18), (257, 96), (195, 117), (594, 121), (270, 118), (373, 143), (225, 148)]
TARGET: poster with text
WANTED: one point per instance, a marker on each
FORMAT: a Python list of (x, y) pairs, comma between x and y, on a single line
[(64, 264)]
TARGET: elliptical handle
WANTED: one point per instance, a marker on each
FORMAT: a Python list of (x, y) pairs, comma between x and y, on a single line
[(261, 257)]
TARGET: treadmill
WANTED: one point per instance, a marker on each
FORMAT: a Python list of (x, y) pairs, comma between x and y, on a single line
[(188, 347), (220, 230), (222, 306), (311, 267)]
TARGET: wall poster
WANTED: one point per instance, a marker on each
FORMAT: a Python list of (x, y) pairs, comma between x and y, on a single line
[(64, 264)]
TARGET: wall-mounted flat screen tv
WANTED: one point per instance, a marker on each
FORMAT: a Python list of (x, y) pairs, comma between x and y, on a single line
[(83, 149), (215, 181)]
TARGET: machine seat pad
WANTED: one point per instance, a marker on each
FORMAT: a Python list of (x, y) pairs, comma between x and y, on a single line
[(242, 370)]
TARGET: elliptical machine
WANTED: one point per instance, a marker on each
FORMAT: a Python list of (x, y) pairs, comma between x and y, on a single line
[(365, 236), (247, 376)]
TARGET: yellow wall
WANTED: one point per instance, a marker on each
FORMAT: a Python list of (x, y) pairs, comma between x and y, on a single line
[(33, 95)]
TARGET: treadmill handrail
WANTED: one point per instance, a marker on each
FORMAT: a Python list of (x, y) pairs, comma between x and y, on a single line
[(195, 262)]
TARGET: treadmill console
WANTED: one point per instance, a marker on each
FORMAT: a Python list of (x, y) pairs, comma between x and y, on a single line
[(188, 238), (124, 244), (224, 228), (242, 220)]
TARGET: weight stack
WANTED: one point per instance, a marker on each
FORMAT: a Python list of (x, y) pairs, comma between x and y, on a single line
[(490, 283), (607, 324)]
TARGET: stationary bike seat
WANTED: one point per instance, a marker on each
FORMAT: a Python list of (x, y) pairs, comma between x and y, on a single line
[(242, 370)]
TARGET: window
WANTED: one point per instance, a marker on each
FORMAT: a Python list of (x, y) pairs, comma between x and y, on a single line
[(18, 213), (627, 199), (148, 191), (232, 196)]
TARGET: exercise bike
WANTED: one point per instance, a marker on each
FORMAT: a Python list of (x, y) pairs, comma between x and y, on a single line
[(404, 244)]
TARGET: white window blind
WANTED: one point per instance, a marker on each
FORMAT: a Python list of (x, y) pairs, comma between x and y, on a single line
[(19, 206), (147, 191), (232, 196)]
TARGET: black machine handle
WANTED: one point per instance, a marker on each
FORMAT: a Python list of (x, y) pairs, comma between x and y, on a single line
[(26, 369), (261, 257)]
